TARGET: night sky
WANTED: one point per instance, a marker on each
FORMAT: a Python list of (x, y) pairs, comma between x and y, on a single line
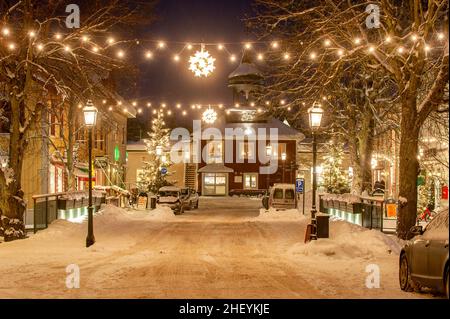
[(192, 21), (162, 80)]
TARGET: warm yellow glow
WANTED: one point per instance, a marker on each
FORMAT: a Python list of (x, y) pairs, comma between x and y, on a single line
[(259, 110), (286, 56), (11, 46), (237, 105), (134, 103), (84, 38), (202, 63), (104, 101), (40, 47), (227, 111), (252, 104), (357, 40), (95, 49), (193, 106), (199, 106), (125, 110), (260, 57), (282, 102), (289, 108), (66, 48), (441, 36), (427, 48), (120, 54), (154, 111), (340, 52), (248, 45), (58, 36), (178, 105), (163, 105), (400, 50), (139, 111), (232, 58), (5, 31), (169, 112), (209, 116), (371, 49), (313, 55), (189, 46), (267, 102), (110, 108), (220, 46), (110, 40), (274, 44), (388, 39), (148, 54), (414, 37), (327, 43), (119, 103), (184, 113), (220, 106), (176, 58), (31, 34), (161, 44), (149, 104)]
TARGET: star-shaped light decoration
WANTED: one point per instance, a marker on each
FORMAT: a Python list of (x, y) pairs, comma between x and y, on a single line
[(202, 63), (209, 116)]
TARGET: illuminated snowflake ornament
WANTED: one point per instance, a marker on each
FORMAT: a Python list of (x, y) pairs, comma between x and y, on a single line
[(209, 116), (202, 63)]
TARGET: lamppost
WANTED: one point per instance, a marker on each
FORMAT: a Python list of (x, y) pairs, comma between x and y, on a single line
[(90, 118), (315, 118), (283, 158)]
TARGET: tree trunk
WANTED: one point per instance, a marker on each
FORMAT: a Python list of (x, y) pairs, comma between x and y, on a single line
[(409, 170)]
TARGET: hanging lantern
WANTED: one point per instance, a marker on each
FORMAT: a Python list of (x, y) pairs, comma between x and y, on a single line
[(202, 63), (209, 116)]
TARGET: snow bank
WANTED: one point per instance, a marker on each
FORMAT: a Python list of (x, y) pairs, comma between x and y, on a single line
[(272, 214), (349, 241)]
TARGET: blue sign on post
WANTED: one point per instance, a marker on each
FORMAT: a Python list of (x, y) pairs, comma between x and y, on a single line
[(299, 185), (164, 170)]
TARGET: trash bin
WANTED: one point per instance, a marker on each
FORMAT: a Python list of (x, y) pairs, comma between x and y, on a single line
[(323, 225), (152, 202)]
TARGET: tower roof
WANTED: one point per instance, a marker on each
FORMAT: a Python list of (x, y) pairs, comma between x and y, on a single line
[(246, 72)]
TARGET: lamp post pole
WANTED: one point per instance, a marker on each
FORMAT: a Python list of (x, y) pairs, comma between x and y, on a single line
[(90, 118), (90, 239), (314, 185)]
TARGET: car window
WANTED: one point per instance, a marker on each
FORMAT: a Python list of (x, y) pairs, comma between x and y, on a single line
[(289, 194), (438, 226), (278, 193), (168, 194)]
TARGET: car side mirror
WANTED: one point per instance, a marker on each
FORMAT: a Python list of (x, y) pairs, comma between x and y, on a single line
[(415, 231)]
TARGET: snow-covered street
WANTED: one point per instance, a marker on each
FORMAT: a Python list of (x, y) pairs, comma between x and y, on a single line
[(225, 249)]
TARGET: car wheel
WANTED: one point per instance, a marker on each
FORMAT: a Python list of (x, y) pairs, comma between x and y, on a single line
[(405, 274)]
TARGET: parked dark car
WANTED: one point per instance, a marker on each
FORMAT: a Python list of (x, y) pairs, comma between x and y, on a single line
[(424, 259), (190, 196)]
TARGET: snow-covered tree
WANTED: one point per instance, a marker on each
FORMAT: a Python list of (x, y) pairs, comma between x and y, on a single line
[(407, 41), (334, 179), (40, 58), (151, 178)]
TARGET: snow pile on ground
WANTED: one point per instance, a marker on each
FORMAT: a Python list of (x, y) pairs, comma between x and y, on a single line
[(161, 213), (272, 214), (349, 241)]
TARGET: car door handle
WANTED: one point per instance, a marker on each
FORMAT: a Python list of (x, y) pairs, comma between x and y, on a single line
[(427, 243)]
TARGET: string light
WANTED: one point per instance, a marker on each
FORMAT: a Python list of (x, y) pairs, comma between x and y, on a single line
[(110, 108), (40, 47), (149, 55), (31, 34), (5, 31), (414, 37), (371, 49), (189, 46), (104, 101), (193, 106), (267, 103), (95, 49), (11, 46), (282, 102), (357, 41), (161, 44), (388, 39), (286, 56), (139, 111), (232, 58), (176, 58), (260, 57), (248, 46), (110, 40), (340, 52), (327, 43), (134, 103), (154, 111), (163, 105), (84, 38), (274, 44), (66, 48), (400, 50), (58, 36), (149, 104), (252, 104), (184, 113), (220, 106), (169, 112), (120, 54), (220, 46), (178, 105), (427, 48), (313, 56), (441, 36)]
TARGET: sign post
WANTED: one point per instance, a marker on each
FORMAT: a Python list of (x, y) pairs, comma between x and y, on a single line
[(300, 189)]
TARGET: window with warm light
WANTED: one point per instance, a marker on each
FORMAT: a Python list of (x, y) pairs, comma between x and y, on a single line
[(250, 180), (214, 152)]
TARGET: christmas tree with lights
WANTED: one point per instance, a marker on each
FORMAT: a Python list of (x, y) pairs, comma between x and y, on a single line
[(334, 178), (151, 178)]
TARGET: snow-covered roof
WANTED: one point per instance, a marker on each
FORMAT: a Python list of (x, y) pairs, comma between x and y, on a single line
[(215, 168), (245, 69)]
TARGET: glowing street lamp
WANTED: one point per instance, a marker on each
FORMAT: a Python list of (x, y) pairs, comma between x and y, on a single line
[(90, 119)]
